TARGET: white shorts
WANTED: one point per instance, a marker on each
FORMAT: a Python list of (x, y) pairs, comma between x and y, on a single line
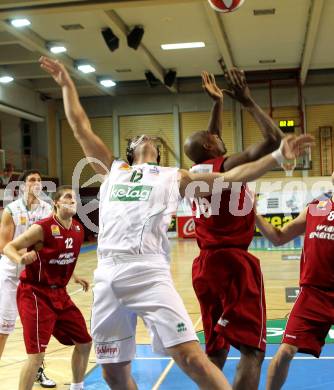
[(8, 306), (124, 291)]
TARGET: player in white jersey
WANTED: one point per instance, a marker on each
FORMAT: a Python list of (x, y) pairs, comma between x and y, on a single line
[(16, 218), (133, 276)]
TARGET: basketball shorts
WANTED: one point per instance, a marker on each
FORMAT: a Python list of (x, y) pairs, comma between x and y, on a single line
[(45, 312), (124, 291), (8, 308), (310, 320), (229, 286)]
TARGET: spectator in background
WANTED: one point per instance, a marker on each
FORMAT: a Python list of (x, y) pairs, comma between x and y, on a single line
[(5, 178)]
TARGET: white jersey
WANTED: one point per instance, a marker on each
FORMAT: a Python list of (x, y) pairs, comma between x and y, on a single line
[(136, 205), (23, 219)]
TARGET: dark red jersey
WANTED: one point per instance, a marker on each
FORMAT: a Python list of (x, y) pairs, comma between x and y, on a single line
[(317, 260), (56, 260), (233, 226)]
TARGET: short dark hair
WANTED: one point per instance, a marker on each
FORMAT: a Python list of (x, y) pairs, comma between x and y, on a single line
[(28, 172), (60, 192)]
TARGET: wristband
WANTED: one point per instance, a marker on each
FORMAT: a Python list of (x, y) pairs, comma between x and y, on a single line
[(278, 155)]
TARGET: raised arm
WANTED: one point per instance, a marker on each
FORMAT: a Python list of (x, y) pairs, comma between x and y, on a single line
[(291, 147), (216, 94), (90, 143), (33, 236), (280, 236), (272, 134)]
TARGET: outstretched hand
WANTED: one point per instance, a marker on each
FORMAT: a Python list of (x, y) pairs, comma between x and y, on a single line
[(210, 86), (294, 146), (83, 282), (56, 69), (237, 86)]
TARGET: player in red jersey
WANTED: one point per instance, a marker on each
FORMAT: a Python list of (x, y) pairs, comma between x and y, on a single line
[(312, 314), (227, 279), (53, 246)]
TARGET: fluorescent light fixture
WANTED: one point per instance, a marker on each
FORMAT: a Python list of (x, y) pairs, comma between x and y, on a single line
[(86, 68), (57, 49), (186, 45), (22, 22), (6, 79), (107, 83)]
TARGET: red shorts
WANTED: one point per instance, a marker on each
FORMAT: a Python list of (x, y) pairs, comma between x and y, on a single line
[(45, 312), (310, 320), (229, 286)]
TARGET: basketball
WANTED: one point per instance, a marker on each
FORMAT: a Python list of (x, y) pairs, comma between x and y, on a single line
[(225, 5)]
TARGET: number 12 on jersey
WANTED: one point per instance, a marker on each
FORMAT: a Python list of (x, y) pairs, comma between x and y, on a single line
[(136, 176), (69, 243)]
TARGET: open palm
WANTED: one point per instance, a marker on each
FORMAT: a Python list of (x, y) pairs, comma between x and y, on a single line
[(210, 86), (56, 69), (237, 86), (293, 147)]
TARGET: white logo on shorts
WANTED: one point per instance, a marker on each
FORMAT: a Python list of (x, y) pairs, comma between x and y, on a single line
[(291, 336), (107, 350), (7, 325)]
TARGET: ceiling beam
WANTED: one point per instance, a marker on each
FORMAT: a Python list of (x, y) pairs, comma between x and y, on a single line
[(48, 83), (121, 29), (14, 54), (220, 36), (31, 3), (27, 71), (37, 44), (310, 37), (10, 10), (7, 39)]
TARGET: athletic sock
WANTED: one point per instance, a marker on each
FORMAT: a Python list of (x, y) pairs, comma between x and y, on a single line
[(77, 386)]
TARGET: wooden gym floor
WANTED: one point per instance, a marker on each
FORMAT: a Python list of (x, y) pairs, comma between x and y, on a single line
[(278, 274)]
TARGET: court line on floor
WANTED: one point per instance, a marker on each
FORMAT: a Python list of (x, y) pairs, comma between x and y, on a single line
[(170, 365), (238, 358), (18, 359), (80, 290)]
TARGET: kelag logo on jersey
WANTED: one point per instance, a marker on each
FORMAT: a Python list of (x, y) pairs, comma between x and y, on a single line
[(125, 193)]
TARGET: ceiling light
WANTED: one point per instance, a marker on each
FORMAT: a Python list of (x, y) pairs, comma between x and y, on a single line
[(6, 79), (186, 45), (86, 68), (56, 48), (107, 83), (20, 22)]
